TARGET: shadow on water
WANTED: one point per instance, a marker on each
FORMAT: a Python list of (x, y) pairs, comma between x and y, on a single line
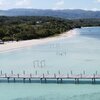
[(96, 36), (97, 82), (92, 32), (91, 96)]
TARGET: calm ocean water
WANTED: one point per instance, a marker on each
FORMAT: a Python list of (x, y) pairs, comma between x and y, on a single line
[(77, 54)]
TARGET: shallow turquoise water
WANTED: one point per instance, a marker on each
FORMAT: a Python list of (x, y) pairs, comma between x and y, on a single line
[(79, 53), (49, 92)]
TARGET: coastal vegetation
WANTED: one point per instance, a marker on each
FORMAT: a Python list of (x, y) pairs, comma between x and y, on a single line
[(29, 27)]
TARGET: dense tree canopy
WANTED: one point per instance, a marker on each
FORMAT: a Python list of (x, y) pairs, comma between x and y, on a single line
[(24, 28)]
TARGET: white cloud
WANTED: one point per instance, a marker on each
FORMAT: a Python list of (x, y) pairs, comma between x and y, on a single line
[(59, 4), (24, 3), (95, 9), (15, 4), (1, 3), (98, 0)]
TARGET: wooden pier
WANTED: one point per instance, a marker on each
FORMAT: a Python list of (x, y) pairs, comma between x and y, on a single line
[(60, 78)]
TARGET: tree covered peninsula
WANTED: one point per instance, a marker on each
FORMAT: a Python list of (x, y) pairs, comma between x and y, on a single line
[(25, 28)]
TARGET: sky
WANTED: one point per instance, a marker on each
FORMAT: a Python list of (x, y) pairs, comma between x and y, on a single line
[(51, 4)]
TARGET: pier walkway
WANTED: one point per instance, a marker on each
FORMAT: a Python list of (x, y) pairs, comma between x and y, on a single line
[(45, 77)]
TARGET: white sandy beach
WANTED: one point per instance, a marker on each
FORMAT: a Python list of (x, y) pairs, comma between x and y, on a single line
[(15, 45)]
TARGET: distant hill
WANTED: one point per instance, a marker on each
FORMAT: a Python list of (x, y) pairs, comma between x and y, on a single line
[(68, 14)]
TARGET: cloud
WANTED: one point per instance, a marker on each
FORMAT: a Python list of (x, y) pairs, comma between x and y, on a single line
[(95, 9), (24, 3), (98, 0), (4, 4), (59, 4), (1, 3)]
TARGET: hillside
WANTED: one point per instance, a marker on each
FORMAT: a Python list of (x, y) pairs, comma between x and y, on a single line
[(68, 14)]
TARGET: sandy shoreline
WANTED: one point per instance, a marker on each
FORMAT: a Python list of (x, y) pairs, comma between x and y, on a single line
[(8, 46)]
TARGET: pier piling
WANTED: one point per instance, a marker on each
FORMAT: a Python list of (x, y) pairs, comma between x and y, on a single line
[(59, 78)]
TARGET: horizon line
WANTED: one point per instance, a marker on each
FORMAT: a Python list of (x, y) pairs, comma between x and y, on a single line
[(48, 9)]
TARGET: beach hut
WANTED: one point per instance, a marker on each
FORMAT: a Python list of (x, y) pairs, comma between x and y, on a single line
[(1, 42)]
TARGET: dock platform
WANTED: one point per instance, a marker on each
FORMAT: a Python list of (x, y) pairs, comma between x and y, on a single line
[(45, 77)]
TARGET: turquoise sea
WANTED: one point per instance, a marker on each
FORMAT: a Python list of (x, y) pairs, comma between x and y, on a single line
[(77, 54)]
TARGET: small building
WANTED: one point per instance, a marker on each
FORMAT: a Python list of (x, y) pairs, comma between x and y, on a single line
[(1, 42), (38, 22)]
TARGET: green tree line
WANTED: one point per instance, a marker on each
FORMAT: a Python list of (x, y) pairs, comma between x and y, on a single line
[(25, 28)]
